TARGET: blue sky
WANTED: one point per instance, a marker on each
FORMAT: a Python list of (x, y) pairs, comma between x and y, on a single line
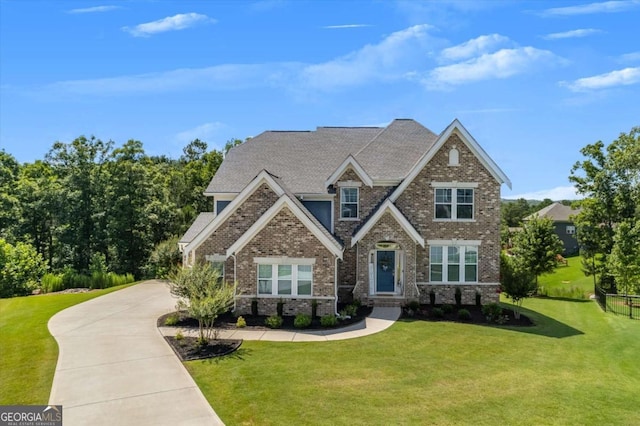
[(533, 81)]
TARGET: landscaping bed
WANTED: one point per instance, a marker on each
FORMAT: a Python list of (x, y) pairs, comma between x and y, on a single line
[(475, 315), (188, 348), (228, 321)]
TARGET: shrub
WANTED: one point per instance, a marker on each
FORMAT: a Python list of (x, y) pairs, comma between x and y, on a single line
[(357, 303), (493, 312), (241, 323), (351, 310), (21, 268), (478, 299), (464, 314), (437, 312), (51, 283), (171, 320), (414, 305), (254, 308), (329, 321), (280, 307), (164, 259), (179, 336), (274, 321), (447, 309), (314, 308), (458, 297), (432, 297), (302, 321)]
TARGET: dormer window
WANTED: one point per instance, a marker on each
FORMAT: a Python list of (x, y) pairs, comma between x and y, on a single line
[(349, 202)]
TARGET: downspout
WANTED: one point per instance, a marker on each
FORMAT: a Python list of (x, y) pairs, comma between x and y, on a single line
[(235, 280), (335, 279)]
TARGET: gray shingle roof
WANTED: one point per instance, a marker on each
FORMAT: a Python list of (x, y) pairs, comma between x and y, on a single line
[(305, 159), (197, 226), (557, 212)]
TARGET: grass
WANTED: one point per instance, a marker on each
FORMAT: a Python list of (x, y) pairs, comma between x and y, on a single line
[(578, 365), (566, 281), (28, 352)]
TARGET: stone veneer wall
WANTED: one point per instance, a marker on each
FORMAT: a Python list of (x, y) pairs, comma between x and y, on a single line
[(283, 236), (343, 229), (417, 204), (386, 229), (445, 293)]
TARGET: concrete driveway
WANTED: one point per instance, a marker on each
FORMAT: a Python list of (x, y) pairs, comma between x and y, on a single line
[(114, 367)]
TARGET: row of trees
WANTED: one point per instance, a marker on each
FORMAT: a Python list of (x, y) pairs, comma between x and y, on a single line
[(88, 198), (608, 227)]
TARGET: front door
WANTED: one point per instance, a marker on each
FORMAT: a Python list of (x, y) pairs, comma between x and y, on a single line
[(385, 271)]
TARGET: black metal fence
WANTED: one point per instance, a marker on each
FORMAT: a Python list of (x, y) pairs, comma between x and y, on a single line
[(619, 304)]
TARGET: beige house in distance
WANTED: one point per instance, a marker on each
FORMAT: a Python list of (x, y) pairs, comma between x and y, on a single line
[(379, 214)]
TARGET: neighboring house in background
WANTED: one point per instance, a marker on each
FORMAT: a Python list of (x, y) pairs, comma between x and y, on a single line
[(562, 217), (379, 214)]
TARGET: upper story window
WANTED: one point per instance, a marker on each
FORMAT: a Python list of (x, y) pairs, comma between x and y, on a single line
[(454, 203), (349, 202)]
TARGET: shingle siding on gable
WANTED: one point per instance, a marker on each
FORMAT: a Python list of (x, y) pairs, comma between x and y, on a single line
[(285, 235), (417, 204)]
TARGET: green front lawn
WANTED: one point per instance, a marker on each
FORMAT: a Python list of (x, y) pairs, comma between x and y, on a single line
[(28, 353), (567, 281), (577, 366)]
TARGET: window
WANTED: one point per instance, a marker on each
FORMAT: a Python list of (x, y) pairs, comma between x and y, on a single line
[(571, 229), (453, 203), (453, 264), (294, 280), (349, 203), (219, 266)]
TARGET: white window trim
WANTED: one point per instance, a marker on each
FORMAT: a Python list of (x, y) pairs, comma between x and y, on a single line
[(274, 281), (357, 203), (284, 260), (445, 262), (349, 184), (454, 204)]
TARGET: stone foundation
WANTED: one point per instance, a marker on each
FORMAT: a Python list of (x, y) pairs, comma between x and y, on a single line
[(445, 293)]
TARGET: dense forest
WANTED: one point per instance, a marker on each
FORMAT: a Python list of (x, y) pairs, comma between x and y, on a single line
[(91, 205)]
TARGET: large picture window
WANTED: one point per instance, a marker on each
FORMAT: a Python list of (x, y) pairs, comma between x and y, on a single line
[(349, 203), (455, 264), (454, 203), (285, 280)]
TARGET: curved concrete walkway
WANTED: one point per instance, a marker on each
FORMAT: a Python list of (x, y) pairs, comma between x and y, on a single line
[(380, 319), (114, 367)]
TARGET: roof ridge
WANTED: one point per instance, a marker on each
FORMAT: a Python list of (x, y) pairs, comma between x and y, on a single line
[(384, 129)]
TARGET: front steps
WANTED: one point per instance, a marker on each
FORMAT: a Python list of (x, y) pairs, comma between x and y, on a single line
[(388, 301)]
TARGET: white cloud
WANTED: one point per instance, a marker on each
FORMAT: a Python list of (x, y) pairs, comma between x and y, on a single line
[(474, 47), (95, 9), (333, 27), (572, 34), (501, 64), (219, 77), (558, 193), (622, 77), (204, 132), (180, 21), (599, 7), (395, 57), (630, 57)]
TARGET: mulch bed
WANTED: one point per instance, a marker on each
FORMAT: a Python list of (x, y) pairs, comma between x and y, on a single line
[(426, 313), (188, 349), (228, 321)]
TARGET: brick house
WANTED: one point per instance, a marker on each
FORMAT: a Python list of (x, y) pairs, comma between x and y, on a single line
[(383, 215)]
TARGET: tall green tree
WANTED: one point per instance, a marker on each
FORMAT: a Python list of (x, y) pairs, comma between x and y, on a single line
[(624, 261), (77, 163), (9, 170), (609, 179), (516, 281), (537, 246)]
